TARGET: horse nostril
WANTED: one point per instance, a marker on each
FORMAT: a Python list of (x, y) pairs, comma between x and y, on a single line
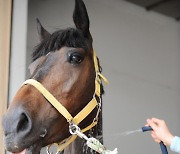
[(24, 123)]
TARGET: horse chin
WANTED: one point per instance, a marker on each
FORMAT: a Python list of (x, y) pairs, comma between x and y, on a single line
[(35, 149), (22, 152)]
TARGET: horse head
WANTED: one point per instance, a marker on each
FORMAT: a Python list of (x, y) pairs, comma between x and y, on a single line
[(63, 63)]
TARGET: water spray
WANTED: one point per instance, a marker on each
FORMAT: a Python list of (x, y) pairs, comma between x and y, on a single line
[(145, 129)]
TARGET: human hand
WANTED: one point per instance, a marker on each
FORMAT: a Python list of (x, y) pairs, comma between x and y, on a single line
[(160, 131)]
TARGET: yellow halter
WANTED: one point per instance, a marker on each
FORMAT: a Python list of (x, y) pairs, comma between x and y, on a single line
[(62, 110)]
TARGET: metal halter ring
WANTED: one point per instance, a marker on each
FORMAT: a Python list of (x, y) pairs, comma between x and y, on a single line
[(48, 152), (73, 129)]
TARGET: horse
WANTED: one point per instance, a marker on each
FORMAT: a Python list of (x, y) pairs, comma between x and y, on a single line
[(66, 67)]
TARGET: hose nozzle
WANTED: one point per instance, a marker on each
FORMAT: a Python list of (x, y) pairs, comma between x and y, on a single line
[(146, 128)]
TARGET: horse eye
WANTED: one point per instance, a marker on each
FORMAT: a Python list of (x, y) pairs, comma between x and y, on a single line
[(75, 58)]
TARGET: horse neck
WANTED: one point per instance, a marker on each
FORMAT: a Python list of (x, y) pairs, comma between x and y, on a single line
[(79, 145)]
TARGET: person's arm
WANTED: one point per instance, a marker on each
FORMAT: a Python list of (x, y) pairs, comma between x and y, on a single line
[(175, 144)]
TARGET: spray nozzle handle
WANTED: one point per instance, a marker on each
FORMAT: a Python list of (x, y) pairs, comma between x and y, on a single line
[(147, 128)]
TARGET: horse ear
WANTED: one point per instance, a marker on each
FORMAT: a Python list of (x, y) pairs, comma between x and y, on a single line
[(81, 18), (43, 33)]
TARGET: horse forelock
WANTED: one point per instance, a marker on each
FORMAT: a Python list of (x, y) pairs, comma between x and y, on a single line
[(69, 37)]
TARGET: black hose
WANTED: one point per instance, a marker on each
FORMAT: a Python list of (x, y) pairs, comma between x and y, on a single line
[(163, 148)]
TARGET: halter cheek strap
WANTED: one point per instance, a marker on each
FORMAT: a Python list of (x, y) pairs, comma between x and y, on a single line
[(62, 110)]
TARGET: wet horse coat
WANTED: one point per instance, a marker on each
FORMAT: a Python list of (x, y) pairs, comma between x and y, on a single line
[(63, 64)]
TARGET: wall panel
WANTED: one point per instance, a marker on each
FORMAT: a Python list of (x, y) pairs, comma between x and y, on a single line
[(5, 33)]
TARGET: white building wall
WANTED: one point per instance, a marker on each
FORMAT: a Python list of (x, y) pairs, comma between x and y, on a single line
[(140, 55), (18, 46)]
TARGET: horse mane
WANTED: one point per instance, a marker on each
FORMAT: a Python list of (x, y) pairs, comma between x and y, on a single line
[(69, 37)]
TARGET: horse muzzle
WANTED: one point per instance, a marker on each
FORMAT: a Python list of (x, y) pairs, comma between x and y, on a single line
[(17, 124)]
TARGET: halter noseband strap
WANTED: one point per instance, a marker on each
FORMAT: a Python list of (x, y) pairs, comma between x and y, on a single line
[(61, 109)]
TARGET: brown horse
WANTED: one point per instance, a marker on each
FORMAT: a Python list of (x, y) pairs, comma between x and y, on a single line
[(64, 64)]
